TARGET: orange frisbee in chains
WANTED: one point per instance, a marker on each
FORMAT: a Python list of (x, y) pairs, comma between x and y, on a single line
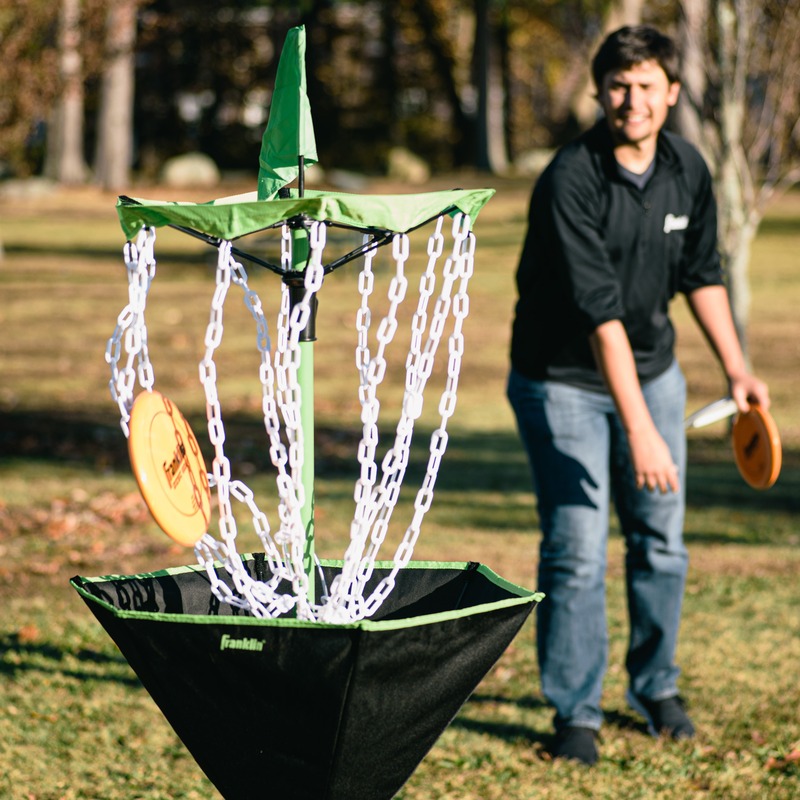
[(757, 447), (169, 468)]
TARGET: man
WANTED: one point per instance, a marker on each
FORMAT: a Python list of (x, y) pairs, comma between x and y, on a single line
[(620, 221)]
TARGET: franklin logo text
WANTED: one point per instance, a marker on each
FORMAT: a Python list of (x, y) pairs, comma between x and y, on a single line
[(229, 643)]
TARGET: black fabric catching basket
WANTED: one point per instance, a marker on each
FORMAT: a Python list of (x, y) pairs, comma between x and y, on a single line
[(282, 708)]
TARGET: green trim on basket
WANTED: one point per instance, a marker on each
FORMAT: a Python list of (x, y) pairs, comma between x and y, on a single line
[(523, 596)]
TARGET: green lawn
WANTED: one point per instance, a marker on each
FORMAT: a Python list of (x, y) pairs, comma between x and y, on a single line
[(74, 720)]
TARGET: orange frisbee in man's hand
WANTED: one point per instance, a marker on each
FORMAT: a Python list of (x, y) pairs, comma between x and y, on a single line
[(169, 468), (757, 447)]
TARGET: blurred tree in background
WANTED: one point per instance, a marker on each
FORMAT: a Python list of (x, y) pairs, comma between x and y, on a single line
[(64, 159), (740, 105), (96, 89), (103, 89), (459, 82), (29, 77), (113, 154)]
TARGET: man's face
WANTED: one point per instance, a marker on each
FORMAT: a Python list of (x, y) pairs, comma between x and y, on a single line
[(636, 102)]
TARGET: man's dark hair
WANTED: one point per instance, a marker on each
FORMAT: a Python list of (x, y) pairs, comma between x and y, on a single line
[(633, 45)]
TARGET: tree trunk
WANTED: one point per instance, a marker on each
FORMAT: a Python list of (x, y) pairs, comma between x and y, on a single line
[(64, 160), (737, 230), (734, 181), (114, 154), (692, 40), (444, 64), (491, 147), (737, 264)]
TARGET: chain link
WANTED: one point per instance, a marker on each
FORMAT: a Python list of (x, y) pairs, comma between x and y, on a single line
[(130, 332), (284, 552), (374, 505), (377, 490), (281, 401), (457, 272)]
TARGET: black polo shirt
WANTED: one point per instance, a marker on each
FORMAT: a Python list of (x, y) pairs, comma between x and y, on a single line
[(598, 248)]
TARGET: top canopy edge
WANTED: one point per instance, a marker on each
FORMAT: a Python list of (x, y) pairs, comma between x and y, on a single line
[(233, 217)]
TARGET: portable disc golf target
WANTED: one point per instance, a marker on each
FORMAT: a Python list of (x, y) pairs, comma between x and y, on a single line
[(286, 675)]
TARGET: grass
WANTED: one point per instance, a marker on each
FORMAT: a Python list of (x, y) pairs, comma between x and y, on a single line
[(76, 723)]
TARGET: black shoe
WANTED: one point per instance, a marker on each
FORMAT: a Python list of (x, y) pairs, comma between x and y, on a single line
[(667, 716), (576, 744)]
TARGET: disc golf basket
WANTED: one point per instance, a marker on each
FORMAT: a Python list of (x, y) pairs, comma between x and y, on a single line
[(286, 675)]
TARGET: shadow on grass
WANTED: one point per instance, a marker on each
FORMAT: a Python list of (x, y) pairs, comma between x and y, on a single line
[(103, 253), (484, 479), (486, 462), (725, 509), (625, 721), (265, 246), (507, 731), (17, 657), (511, 732)]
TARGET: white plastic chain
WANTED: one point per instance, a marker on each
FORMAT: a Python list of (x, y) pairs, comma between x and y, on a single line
[(375, 499), (262, 598), (131, 330), (281, 399), (374, 505)]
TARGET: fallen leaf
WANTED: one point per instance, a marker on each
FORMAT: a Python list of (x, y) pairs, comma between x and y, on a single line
[(27, 634)]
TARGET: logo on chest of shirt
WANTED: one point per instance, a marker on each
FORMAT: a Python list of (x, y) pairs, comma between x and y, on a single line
[(674, 223)]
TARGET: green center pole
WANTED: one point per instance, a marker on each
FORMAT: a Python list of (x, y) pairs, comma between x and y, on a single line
[(305, 379)]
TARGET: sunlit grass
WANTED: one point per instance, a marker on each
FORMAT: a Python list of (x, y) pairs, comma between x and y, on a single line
[(76, 724)]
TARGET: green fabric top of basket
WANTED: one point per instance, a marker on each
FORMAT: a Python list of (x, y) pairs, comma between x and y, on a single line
[(239, 215)]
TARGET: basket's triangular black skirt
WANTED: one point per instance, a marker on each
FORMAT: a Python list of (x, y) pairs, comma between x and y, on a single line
[(309, 711)]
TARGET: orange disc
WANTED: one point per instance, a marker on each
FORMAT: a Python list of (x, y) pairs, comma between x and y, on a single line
[(757, 447), (169, 468)]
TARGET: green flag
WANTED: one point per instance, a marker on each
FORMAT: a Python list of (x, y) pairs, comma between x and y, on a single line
[(290, 130)]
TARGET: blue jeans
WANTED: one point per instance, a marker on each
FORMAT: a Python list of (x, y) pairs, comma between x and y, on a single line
[(579, 459)]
